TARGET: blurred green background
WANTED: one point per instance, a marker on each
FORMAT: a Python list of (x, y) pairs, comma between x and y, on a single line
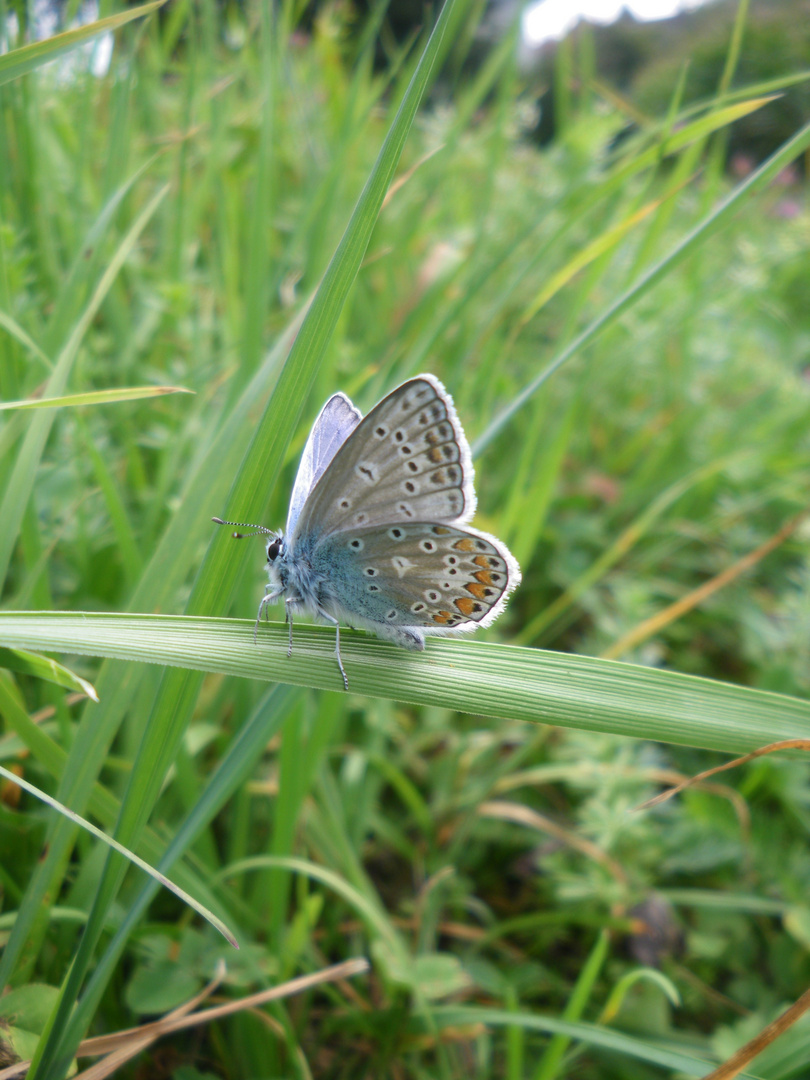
[(167, 224)]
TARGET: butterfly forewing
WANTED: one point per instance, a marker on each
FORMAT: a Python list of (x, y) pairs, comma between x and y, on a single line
[(407, 461), (427, 575), (335, 423)]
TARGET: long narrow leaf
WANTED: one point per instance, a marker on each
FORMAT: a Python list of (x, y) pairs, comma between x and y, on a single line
[(691, 242), (88, 826), (103, 804), (21, 481), (229, 775), (13, 327), (20, 61), (477, 677), (614, 1042), (43, 667), (95, 397), (212, 590)]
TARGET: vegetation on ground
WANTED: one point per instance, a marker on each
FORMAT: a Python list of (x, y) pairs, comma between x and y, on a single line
[(260, 216)]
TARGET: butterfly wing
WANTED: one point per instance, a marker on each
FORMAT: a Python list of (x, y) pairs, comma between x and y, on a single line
[(407, 461), (335, 423), (426, 578)]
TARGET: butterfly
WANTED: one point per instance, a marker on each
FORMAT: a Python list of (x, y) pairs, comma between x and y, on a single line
[(377, 533)]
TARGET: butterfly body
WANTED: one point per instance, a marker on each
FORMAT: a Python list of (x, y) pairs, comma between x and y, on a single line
[(377, 534), (323, 580)]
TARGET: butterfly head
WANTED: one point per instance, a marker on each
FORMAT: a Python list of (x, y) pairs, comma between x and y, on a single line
[(275, 548)]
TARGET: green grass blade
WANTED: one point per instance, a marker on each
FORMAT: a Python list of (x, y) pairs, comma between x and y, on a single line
[(629, 980), (599, 246), (477, 677), (278, 424), (370, 911), (25, 339), (672, 138), (75, 282), (215, 581), (20, 61), (96, 397), (88, 826), (623, 543), (230, 774), (615, 1042), (125, 532), (690, 243), (21, 482), (159, 582), (550, 1063), (101, 803), (43, 667)]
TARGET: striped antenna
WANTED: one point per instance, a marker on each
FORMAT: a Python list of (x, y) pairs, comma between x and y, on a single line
[(257, 529)]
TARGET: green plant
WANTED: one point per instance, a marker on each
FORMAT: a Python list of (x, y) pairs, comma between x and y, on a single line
[(489, 870)]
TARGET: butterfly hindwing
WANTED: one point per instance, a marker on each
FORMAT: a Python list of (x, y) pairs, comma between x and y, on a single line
[(407, 461), (430, 576)]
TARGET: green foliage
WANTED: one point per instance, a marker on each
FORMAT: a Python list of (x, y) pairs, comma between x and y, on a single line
[(776, 43), (170, 225)]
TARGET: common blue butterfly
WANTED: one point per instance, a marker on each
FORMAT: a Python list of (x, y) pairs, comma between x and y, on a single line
[(377, 533)]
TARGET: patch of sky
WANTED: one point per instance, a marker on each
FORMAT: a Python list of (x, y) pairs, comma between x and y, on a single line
[(551, 20)]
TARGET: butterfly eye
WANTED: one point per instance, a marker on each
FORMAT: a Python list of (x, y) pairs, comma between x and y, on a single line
[(273, 550)]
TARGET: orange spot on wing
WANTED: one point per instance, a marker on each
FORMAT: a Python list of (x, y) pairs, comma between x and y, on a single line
[(465, 605), (483, 576), (484, 560), (478, 591), (465, 544), (439, 530), (435, 454), (442, 617)]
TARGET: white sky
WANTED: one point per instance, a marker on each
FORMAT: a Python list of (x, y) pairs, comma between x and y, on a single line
[(553, 19)]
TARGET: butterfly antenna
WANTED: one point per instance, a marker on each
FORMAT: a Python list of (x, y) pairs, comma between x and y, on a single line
[(257, 529)]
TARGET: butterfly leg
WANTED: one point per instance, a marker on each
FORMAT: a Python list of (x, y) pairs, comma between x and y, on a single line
[(288, 617), (330, 618), (269, 597)]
